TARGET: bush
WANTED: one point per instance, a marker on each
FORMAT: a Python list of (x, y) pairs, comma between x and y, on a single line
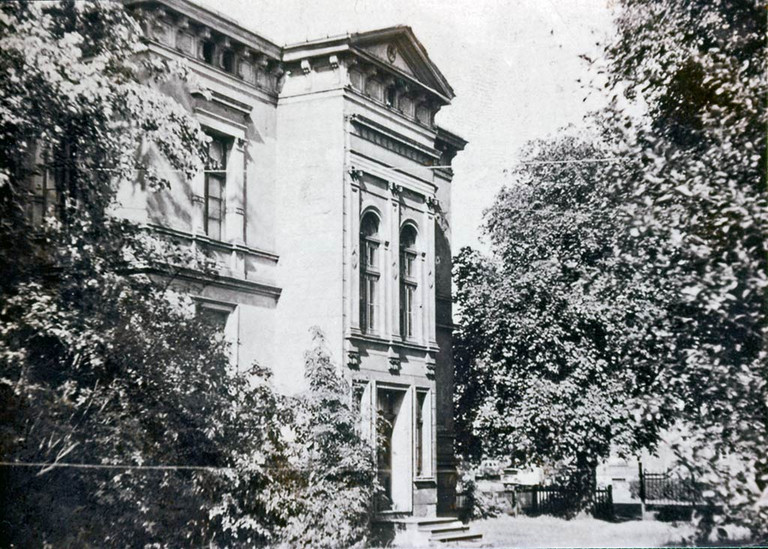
[(336, 484)]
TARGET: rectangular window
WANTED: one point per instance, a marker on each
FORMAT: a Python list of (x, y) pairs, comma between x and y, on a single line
[(408, 264), (368, 312), (370, 255), (214, 206), (215, 315), (423, 434), (215, 188), (407, 292), (45, 197)]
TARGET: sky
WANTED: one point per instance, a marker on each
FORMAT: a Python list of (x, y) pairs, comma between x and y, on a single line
[(513, 64)]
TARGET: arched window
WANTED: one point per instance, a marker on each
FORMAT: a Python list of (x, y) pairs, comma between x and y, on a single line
[(408, 283), (369, 271)]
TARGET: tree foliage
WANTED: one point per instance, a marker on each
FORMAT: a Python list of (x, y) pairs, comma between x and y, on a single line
[(625, 298), (102, 361), (699, 152), (558, 354), (338, 482)]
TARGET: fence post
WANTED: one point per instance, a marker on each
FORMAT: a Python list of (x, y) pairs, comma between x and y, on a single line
[(610, 501), (642, 489), (535, 500)]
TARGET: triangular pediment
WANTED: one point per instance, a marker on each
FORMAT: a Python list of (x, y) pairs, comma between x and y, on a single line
[(390, 53), (397, 47)]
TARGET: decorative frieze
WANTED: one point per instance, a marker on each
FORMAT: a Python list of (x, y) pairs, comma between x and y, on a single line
[(185, 43), (163, 33), (398, 146), (198, 41)]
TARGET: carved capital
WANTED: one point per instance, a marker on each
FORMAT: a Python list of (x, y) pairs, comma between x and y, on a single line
[(261, 61), (353, 360), (355, 174), (204, 33), (429, 363), (395, 189), (278, 72)]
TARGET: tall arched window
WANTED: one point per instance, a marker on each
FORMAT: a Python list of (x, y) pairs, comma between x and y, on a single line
[(369, 271), (408, 283)]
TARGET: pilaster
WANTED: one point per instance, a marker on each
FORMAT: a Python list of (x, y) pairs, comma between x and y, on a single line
[(197, 213), (354, 178), (430, 331), (234, 215)]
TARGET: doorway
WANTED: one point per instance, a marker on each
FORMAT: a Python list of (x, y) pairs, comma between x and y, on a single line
[(394, 449)]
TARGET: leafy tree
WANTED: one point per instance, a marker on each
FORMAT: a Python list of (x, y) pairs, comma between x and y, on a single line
[(558, 355), (338, 479), (101, 363), (699, 150), (624, 298)]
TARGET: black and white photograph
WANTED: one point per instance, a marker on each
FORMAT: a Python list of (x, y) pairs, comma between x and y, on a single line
[(365, 274)]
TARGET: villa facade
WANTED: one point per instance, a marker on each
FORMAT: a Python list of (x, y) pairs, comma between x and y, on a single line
[(326, 202)]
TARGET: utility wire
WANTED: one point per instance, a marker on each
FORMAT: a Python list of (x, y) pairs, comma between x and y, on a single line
[(396, 168), (60, 464)]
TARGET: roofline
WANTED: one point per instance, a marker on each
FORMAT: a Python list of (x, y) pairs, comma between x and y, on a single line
[(453, 139), (405, 29), (348, 42), (295, 52), (217, 21)]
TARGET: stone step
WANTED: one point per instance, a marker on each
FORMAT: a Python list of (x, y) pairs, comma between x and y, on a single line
[(432, 527), (449, 529), (435, 521), (464, 536)]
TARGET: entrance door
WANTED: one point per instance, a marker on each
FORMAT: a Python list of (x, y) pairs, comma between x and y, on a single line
[(394, 449)]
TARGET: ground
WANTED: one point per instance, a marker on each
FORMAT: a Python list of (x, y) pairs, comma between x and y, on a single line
[(544, 531)]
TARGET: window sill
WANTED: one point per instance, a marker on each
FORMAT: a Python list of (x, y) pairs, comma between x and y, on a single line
[(396, 343), (425, 481), (204, 239)]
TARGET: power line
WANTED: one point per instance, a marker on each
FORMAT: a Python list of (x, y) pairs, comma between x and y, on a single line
[(107, 466), (61, 464), (575, 161), (395, 168)]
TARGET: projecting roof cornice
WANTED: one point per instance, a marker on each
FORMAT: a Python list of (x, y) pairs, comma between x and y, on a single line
[(394, 49), (212, 19)]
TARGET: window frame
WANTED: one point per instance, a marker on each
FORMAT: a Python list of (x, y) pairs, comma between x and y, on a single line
[(408, 281), (216, 173), (370, 275)]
